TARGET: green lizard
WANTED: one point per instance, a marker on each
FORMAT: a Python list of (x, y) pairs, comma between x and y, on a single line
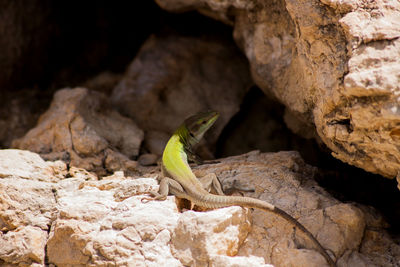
[(179, 180)]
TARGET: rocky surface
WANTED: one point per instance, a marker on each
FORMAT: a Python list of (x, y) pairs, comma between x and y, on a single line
[(333, 63), (174, 77), (81, 129), (70, 217)]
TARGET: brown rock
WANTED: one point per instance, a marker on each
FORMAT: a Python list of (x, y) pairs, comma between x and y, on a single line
[(148, 159), (80, 123), (19, 111), (155, 141), (333, 63), (284, 180), (116, 161), (103, 82), (175, 77)]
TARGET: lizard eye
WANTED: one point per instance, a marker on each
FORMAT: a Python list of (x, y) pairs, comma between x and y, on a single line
[(191, 134)]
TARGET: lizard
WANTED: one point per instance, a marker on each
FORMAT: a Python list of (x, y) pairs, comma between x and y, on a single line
[(179, 180)]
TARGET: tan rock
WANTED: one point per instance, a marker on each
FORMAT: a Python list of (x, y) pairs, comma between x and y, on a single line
[(333, 63), (284, 180), (111, 232), (24, 246), (24, 202), (226, 261), (80, 123), (112, 221), (27, 165), (27, 206), (201, 235), (173, 77)]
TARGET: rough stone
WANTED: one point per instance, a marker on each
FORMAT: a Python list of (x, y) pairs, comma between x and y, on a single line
[(148, 159), (27, 205), (80, 125), (226, 261), (121, 232), (23, 247), (24, 164), (340, 228), (333, 63), (113, 222), (25, 202), (198, 235), (174, 77)]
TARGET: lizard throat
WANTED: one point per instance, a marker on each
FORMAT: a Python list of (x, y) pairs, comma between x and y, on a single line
[(175, 159)]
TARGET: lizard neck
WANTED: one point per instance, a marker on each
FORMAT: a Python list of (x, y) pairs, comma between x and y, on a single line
[(175, 161)]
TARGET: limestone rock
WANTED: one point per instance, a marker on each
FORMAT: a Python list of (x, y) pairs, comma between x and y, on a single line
[(112, 221), (25, 202), (283, 180), (27, 205), (174, 77), (333, 63), (80, 125), (23, 247), (23, 164), (226, 261), (121, 232), (219, 232)]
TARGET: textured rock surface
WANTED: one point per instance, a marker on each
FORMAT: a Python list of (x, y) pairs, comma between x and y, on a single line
[(27, 205), (333, 63), (107, 222), (174, 77), (81, 128)]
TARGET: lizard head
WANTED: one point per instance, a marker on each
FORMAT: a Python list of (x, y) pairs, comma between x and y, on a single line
[(198, 124)]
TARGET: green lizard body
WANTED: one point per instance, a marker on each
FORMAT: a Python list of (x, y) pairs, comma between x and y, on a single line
[(179, 180)]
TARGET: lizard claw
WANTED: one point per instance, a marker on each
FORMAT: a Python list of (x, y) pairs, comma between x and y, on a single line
[(146, 199)]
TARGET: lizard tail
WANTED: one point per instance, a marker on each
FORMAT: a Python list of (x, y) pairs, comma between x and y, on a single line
[(219, 201)]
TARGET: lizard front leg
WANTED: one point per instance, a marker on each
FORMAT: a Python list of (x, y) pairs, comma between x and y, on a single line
[(167, 185)]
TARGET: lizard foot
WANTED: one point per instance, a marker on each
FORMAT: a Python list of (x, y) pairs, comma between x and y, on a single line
[(154, 196)]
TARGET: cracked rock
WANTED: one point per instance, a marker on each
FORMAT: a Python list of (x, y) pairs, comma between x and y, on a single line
[(112, 221), (334, 64), (81, 128)]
